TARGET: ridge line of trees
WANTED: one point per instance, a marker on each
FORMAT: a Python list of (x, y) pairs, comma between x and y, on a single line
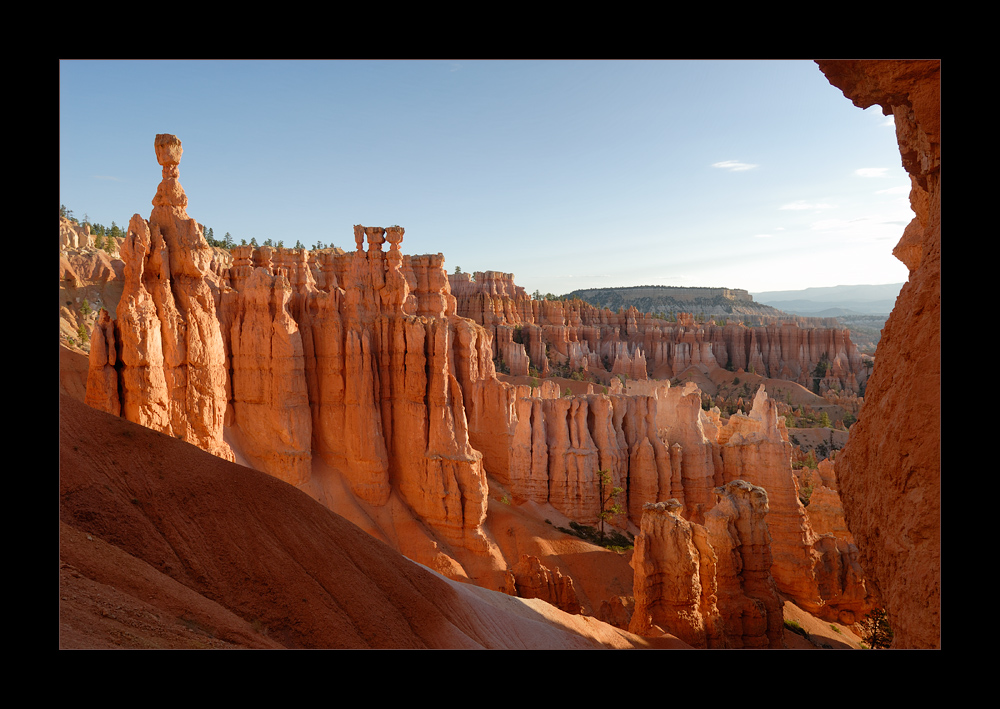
[(227, 242)]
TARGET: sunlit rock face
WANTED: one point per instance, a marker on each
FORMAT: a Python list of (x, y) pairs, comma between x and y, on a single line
[(351, 357), (270, 402), (173, 357), (747, 593), (535, 580), (710, 584), (890, 471), (360, 363), (639, 345), (675, 579)]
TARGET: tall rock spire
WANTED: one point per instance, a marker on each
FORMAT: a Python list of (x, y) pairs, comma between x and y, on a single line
[(173, 355)]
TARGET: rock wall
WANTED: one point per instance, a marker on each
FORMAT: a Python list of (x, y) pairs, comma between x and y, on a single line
[(379, 372), (710, 584), (890, 471), (535, 580), (360, 360), (361, 370), (675, 584), (74, 236), (658, 444), (577, 334), (738, 530)]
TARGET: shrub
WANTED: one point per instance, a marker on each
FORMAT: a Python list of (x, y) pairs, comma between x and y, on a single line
[(614, 540), (794, 626)]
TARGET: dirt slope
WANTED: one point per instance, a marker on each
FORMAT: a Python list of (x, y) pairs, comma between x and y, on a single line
[(164, 545)]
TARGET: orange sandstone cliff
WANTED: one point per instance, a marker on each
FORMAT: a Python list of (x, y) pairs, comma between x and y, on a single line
[(164, 546), (890, 471), (354, 377), (579, 335)]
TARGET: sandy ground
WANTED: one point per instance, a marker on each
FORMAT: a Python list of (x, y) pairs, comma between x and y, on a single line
[(165, 546)]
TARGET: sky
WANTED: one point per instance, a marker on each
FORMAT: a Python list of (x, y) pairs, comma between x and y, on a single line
[(569, 174)]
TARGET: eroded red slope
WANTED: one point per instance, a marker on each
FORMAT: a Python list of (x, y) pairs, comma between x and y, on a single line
[(164, 545)]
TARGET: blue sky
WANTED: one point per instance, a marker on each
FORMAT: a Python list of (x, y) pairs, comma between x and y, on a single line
[(569, 174)]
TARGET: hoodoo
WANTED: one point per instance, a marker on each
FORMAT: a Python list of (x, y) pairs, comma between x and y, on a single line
[(356, 377), (172, 373)]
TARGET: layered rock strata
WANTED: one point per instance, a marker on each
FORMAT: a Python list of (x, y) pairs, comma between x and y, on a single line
[(579, 335), (359, 359), (353, 357), (658, 443), (890, 471), (381, 357), (271, 403)]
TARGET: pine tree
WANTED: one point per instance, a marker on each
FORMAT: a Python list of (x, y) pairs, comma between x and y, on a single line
[(608, 494), (876, 631)]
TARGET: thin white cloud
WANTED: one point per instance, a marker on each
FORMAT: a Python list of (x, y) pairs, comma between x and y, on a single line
[(763, 236), (872, 171), (734, 165), (890, 122), (802, 204)]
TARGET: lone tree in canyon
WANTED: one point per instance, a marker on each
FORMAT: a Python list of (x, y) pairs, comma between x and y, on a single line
[(608, 494)]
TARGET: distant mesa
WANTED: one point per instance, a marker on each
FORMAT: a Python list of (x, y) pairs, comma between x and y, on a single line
[(449, 414), (734, 303)]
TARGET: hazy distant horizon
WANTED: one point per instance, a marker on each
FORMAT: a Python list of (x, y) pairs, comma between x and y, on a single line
[(756, 175)]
